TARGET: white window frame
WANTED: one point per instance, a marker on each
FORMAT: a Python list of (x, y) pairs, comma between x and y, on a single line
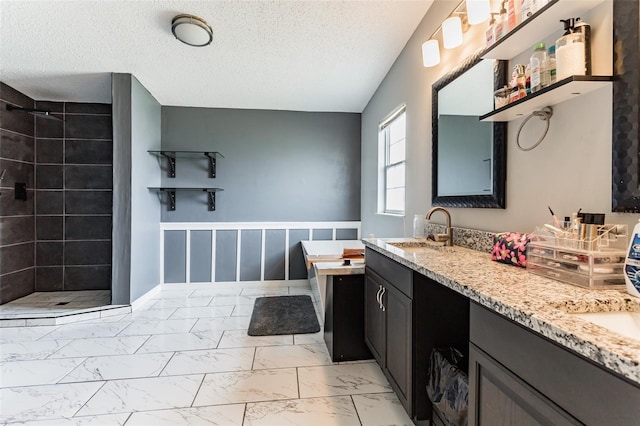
[(383, 161)]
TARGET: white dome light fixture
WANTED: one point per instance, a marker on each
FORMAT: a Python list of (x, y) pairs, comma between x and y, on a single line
[(191, 30)]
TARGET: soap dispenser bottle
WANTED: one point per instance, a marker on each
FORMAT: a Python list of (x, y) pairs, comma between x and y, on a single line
[(570, 52), (490, 34), (585, 29), (501, 22)]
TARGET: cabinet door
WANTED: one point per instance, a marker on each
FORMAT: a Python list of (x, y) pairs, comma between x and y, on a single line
[(399, 331), (374, 331), (498, 397)]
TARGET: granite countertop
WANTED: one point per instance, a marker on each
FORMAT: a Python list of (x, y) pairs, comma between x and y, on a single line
[(540, 304)]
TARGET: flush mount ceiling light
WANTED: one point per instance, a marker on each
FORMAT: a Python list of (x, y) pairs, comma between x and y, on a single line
[(191, 30)]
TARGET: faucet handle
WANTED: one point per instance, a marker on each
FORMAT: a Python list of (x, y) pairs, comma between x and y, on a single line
[(439, 238)]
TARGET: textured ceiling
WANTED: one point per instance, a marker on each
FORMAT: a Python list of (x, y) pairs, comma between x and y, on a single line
[(287, 55)]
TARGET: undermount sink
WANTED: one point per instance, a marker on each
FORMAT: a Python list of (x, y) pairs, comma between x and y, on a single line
[(419, 246), (624, 323)]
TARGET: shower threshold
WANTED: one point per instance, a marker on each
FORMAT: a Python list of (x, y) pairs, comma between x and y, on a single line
[(59, 307)]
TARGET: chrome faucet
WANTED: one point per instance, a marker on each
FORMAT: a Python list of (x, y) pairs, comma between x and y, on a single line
[(448, 237)]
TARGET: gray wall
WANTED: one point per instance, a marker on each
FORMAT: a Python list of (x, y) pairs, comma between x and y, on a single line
[(277, 165), (464, 168), (17, 222), (145, 213), (136, 238), (571, 169)]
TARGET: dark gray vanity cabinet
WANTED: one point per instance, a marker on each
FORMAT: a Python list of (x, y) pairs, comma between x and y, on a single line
[(407, 315), (518, 377), (389, 322), (501, 397), (374, 325)]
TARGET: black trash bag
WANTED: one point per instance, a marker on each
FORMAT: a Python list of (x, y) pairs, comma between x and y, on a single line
[(448, 386)]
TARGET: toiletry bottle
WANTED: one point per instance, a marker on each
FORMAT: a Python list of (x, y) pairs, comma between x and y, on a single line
[(526, 9), (513, 14), (418, 226), (501, 22), (632, 263), (585, 29), (521, 81), (490, 34), (539, 75), (551, 64), (570, 52)]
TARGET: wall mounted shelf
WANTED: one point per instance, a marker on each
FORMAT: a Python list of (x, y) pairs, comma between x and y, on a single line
[(172, 155), (211, 195), (557, 93), (545, 21)]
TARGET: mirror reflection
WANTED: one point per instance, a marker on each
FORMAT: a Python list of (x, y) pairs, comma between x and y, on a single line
[(468, 154), (465, 143)]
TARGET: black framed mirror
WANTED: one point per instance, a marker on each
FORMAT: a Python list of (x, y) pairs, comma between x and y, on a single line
[(469, 156), (626, 108)]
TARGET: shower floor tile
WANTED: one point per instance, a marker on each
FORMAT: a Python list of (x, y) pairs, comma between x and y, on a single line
[(41, 305)]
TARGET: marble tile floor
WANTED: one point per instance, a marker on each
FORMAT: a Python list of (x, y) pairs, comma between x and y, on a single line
[(54, 303), (184, 358)]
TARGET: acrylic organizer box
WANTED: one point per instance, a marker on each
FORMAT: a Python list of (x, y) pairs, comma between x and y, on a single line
[(592, 258)]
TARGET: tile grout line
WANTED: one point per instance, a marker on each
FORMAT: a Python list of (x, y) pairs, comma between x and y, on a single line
[(90, 398), (195, 395), (166, 364), (355, 408), (64, 194), (298, 381), (72, 370), (143, 343), (253, 362)]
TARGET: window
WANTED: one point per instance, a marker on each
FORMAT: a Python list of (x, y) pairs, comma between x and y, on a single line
[(392, 154)]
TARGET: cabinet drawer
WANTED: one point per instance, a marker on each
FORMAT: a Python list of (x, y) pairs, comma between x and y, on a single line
[(391, 271), (590, 393)]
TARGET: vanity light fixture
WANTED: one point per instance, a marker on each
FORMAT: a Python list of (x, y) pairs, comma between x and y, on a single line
[(468, 12), (191, 30), (430, 53), (452, 32), (478, 11)]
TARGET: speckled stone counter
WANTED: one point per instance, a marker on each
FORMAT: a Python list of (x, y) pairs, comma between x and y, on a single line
[(540, 304)]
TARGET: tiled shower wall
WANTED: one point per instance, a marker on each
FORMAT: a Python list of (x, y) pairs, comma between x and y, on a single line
[(60, 238), (17, 224), (73, 203)]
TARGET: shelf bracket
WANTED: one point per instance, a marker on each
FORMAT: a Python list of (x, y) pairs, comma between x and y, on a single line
[(172, 166), (172, 199), (212, 165), (212, 201)]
